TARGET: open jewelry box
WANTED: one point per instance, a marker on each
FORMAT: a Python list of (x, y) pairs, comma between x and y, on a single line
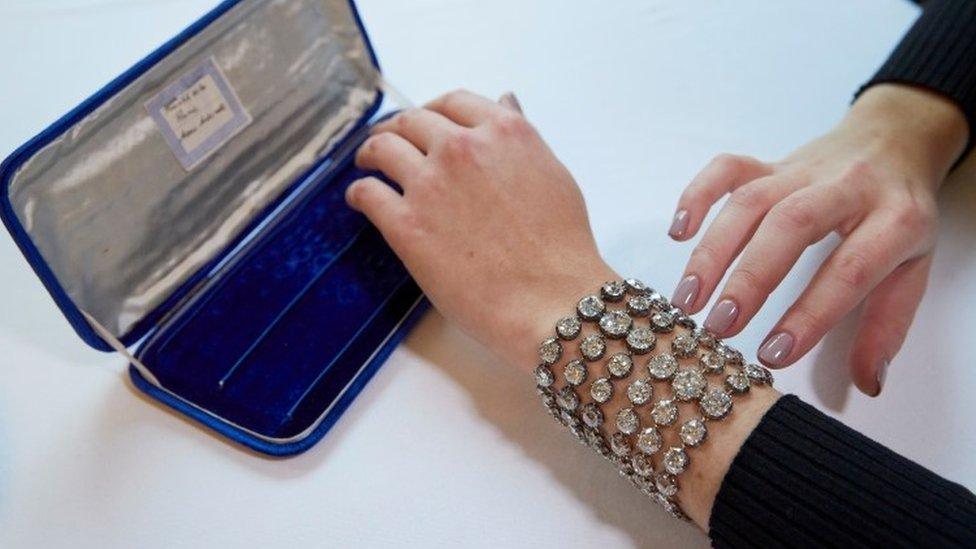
[(193, 211)]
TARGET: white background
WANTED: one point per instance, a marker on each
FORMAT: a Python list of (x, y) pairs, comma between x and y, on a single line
[(445, 447)]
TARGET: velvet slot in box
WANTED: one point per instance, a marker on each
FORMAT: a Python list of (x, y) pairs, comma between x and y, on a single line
[(192, 214)]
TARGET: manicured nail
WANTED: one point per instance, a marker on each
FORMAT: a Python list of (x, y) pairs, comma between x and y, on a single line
[(721, 317), (686, 293), (509, 100), (776, 349), (679, 225), (882, 374)]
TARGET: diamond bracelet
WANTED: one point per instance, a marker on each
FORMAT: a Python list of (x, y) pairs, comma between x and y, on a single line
[(633, 313)]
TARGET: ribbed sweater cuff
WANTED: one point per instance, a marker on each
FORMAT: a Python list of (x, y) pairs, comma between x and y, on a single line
[(803, 478), (939, 53)]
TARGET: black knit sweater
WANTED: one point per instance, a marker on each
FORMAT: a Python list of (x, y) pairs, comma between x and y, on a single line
[(804, 479)]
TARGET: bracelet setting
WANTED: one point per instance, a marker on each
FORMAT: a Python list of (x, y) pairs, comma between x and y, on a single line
[(697, 368)]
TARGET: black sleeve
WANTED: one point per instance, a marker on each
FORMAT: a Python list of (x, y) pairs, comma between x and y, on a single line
[(805, 479), (939, 53)]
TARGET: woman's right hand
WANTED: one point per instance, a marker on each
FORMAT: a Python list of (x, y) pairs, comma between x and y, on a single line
[(490, 224)]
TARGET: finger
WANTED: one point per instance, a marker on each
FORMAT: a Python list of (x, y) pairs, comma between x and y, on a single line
[(382, 205), (421, 127), (725, 238), (858, 265), (509, 100), (888, 312), (722, 175), (798, 221), (465, 108), (391, 154)]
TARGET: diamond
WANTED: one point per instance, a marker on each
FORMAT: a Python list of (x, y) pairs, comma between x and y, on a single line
[(675, 460), (732, 356), (659, 302), (627, 421), (688, 384), (614, 324), (641, 340), (644, 484), (590, 307), (568, 327), (662, 322), (662, 367), (737, 382), (683, 320), (635, 286), (592, 347), (567, 399), (642, 465), (693, 432), (683, 346), (705, 339), (639, 305), (716, 404), (758, 374), (649, 440), (594, 439), (591, 415), (613, 290), (601, 390), (620, 444), (543, 376), (640, 391), (575, 372), (665, 412), (666, 484), (712, 362), (620, 365), (550, 351)]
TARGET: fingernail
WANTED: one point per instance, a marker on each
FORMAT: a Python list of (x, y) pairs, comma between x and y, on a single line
[(509, 100), (882, 374), (686, 293), (721, 317), (776, 349), (679, 225)]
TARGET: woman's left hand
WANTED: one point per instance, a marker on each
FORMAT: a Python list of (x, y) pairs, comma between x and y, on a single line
[(872, 180)]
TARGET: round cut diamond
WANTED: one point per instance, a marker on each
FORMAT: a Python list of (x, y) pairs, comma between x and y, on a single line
[(716, 404), (675, 460), (575, 372), (732, 356), (635, 286), (659, 302), (620, 365), (627, 421), (644, 484), (615, 324), (642, 465), (683, 320), (693, 432), (568, 327), (665, 412), (590, 307), (567, 399), (550, 351), (662, 322), (613, 290), (594, 439), (705, 339), (666, 484), (619, 444), (640, 391), (662, 367), (641, 340), (592, 347), (683, 346), (688, 384), (639, 305), (543, 376), (737, 382), (601, 390), (649, 440), (591, 415), (758, 374), (712, 362)]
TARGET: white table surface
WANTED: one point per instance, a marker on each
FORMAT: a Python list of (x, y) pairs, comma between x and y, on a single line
[(444, 447)]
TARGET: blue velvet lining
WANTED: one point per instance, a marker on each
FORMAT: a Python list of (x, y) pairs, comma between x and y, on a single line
[(276, 339)]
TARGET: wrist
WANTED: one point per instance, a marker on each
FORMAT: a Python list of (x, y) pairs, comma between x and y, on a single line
[(922, 131)]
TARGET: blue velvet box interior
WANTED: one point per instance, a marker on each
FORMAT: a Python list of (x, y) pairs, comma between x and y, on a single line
[(259, 303)]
